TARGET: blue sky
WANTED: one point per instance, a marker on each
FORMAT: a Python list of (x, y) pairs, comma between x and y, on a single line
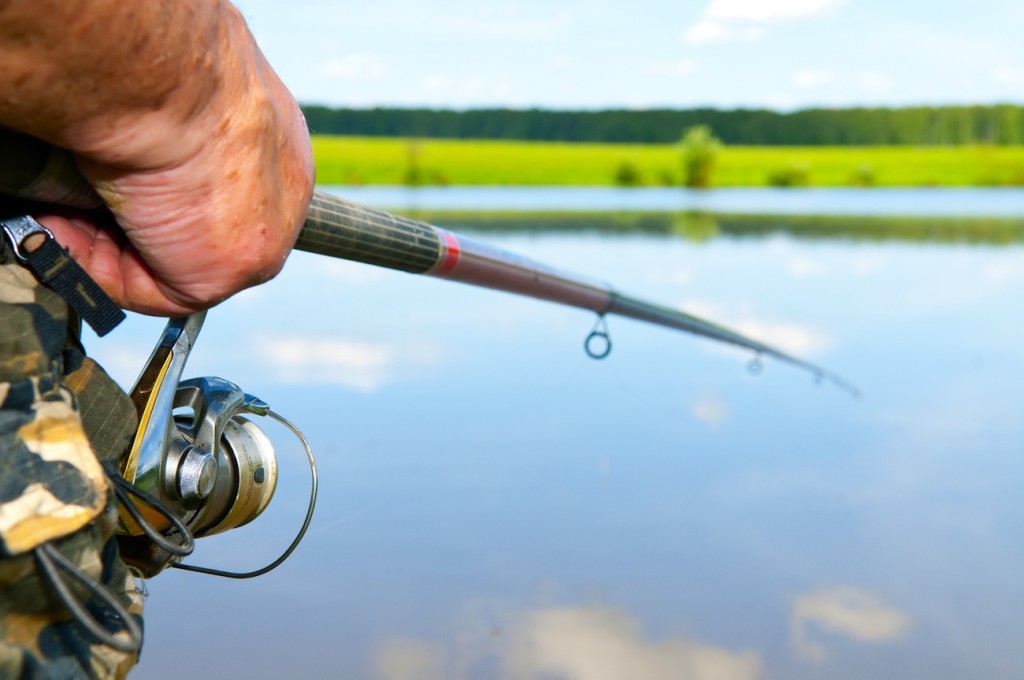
[(781, 54)]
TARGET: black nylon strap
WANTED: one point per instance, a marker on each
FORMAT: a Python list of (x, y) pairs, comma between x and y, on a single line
[(57, 270)]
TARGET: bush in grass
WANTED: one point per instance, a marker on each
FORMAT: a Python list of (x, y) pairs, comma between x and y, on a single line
[(627, 174), (864, 176), (700, 151), (413, 175), (792, 175)]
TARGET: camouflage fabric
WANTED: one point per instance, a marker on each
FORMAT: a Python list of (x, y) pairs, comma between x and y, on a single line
[(56, 408)]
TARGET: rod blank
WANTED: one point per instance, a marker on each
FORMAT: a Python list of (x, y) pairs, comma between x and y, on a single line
[(339, 228)]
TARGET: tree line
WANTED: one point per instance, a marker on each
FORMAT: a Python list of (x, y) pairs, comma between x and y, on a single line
[(1001, 124)]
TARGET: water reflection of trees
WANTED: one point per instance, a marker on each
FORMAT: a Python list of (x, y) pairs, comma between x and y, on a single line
[(699, 227)]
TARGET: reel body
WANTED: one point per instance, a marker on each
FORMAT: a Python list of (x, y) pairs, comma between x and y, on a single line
[(199, 464)]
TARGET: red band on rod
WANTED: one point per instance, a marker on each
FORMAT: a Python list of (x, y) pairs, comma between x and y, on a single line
[(452, 253)]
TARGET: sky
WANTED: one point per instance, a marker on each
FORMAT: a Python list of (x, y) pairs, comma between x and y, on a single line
[(592, 54)]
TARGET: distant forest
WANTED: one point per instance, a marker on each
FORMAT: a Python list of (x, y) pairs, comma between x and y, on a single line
[(930, 126)]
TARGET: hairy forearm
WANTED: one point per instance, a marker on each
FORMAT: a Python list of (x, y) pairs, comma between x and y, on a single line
[(96, 76)]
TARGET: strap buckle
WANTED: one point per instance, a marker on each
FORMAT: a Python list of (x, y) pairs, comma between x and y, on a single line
[(57, 270), (18, 229)]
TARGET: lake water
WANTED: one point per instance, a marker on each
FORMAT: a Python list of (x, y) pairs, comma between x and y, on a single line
[(971, 202), (494, 504)]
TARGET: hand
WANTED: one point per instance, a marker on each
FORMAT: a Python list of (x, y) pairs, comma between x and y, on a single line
[(208, 182)]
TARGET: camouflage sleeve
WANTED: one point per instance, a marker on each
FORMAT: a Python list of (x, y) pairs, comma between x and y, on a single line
[(51, 483), (57, 408)]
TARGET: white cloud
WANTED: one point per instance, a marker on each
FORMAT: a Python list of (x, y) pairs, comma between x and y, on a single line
[(676, 275), (1009, 76), (409, 660), (361, 66), (679, 68), (708, 31), (950, 51), (789, 337), (854, 613), (597, 643), (362, 366), (810, 78), (866, 264), (874, 82), (1006, 269), (759, 11), (347, 271), (562, 62), (491, 20), (435, 83), (581, 643), (744, 20), (444, 90), (710, 410), (800, 267), (505, 20)]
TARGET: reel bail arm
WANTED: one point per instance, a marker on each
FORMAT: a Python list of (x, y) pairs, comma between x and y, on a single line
[(197, 466)]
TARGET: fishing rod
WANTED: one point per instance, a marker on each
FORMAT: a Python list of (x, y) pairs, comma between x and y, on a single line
[(339, 228), (342, 229), (199, 465)]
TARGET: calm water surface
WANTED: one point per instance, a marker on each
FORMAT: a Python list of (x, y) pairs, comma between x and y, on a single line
[(968, 201), (496, 505)]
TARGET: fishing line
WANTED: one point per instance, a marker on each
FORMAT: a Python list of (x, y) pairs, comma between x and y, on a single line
[(314, 485), (352, 515)]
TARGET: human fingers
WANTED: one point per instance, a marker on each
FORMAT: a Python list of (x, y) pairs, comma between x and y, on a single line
[(225, 217), (111, 261)]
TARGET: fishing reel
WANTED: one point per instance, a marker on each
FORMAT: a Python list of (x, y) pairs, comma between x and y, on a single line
[(199, 464)]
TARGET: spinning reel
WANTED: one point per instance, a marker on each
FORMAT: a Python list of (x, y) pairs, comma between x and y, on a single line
[(199, 465)]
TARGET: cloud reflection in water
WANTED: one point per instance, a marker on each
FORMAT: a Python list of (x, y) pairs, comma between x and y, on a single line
[(363, 366), (574, 643), (795, 338), (854, 613)]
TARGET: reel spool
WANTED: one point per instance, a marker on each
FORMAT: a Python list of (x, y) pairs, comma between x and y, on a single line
[(221, 469), (198, 465)]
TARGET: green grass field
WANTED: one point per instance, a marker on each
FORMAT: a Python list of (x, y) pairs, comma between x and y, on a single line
[(376, 160)]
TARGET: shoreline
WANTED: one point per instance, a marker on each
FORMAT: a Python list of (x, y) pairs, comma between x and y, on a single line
[(374, 161), (937, 203)]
